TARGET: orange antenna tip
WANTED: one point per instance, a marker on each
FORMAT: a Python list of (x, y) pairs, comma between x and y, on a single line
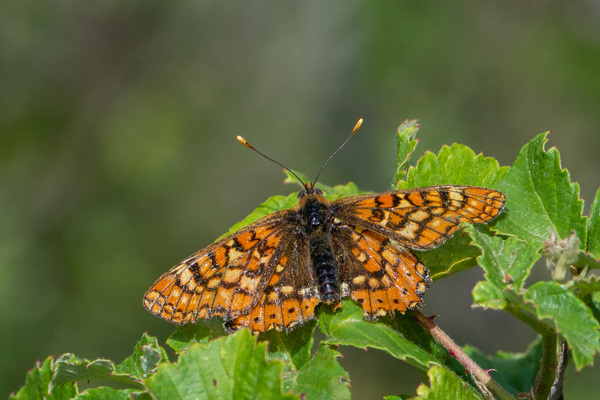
[(357, 127), (243, 141)]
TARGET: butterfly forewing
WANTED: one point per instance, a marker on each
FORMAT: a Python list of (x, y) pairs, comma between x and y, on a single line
[(225, 279), (420, 218)]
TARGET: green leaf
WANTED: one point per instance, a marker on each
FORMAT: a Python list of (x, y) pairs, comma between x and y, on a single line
[(585, 286), (201, 332), (294, 348), (487, 295), (69, 368), (269, 206), (407, 132), (232, 367), (445, 384), (401, 336), (37, 384), (454, 165), (540, 196), (146, 355), (108, 393), (570, 316), (454, 256), (593, 241), (323, 377), (507, 262), (515, 372)]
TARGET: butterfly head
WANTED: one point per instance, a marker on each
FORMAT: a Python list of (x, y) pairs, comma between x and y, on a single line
[(310, 191)]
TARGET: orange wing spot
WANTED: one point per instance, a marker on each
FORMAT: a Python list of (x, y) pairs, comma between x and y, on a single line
[(164, 283), (223, 298), (308, 307), (416, 199), (189, 317), (379, 303), (273, 317), (193, 303), (292, 314), (232, 275), (245, 240), (177, 317), (208, 296), (428, 236), (274, 279), (386, 200)]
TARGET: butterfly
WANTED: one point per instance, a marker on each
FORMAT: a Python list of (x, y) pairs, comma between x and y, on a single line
[(272, 273)]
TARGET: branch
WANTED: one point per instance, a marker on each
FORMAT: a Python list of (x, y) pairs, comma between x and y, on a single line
[(546, 375), (488, 386)]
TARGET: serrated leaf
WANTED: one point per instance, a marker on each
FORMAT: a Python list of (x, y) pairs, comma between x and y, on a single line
[(69, 368), (593, 240), (201, 332), (487, 295), (585, 286), (454, 165), (401, 336), (323, 377), (515, 372), (232, 367), (293, 347), (108, 393), (445, 384), (540, 195), (507, 262), (407, 132), (570, 316), (147, 353), (454, 256), (37, 384)]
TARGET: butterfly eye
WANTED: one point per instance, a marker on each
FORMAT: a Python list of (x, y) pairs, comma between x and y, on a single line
[(301, 194), (319, 191)]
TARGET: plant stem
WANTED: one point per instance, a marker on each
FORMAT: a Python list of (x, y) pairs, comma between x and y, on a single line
[(481, 377), (545, 377)]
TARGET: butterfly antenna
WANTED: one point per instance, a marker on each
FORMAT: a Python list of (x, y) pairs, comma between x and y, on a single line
[(248, 145), (356, 128)]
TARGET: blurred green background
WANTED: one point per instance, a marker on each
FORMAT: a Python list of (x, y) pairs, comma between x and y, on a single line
[(118, 155)]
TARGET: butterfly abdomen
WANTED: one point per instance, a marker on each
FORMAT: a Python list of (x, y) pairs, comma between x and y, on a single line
[(325, 268), (317, 220)]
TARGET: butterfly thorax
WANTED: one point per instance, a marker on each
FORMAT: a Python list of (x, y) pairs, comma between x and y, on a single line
[(316, 219)]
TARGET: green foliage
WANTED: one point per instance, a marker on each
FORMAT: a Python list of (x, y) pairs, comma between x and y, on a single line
[(542, 209)]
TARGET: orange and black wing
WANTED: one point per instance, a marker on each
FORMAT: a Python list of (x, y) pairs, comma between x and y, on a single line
[(225, 279), (380, 275), (420, 218), (290, 297)]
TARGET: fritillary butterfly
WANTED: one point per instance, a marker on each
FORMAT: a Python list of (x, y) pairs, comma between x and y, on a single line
[(274, 272)]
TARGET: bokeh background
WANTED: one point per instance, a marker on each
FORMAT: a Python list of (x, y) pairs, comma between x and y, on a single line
[(118, 155)]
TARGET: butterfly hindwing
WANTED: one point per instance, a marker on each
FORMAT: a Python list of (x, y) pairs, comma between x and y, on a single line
[(380, 275), (290, 297)]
